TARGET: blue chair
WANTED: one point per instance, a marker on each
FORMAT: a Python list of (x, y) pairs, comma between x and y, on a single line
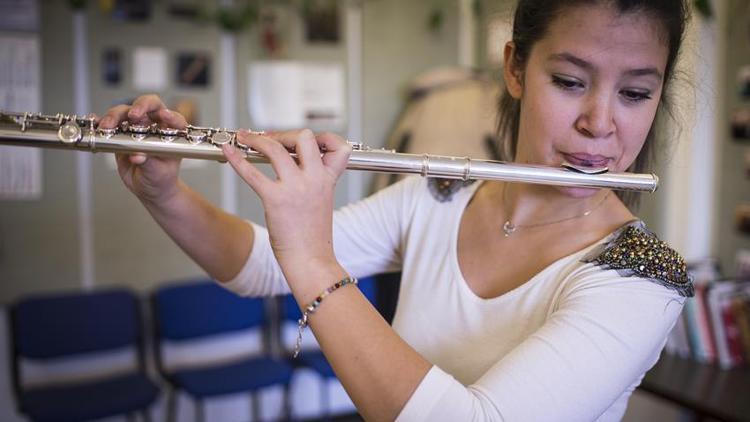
[(53, 327), (200, 309), (313, 358)]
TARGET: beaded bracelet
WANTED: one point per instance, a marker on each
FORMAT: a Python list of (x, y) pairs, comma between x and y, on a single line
[(313, 306)]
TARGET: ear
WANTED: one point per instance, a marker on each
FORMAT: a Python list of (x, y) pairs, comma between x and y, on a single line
[(512, 72)]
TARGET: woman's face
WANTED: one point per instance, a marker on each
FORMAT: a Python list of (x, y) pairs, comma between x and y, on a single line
[(589, 90)]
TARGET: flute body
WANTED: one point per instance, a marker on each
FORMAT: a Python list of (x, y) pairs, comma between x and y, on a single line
[(80, 133)]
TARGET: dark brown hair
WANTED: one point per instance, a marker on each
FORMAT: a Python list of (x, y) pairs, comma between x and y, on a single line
[(531, 21)]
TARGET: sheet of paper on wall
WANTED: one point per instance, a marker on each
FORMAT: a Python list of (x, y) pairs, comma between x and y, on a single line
[(19, 15), (275, 95), (499, 32), (323, 96), (149, 68), (20, 168)]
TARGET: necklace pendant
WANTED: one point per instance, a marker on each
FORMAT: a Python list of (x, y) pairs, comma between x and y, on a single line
[(508, 228)]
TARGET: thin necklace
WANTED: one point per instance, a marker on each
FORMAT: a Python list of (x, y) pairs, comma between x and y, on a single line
[(509, 227)]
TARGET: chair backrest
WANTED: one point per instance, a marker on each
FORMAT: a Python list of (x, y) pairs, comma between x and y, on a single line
[(53, 326), (201, 308)]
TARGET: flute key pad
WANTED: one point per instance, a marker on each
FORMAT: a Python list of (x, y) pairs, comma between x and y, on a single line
[(168, 134), (107, 133), (69, 133), (221, 138), (139, 132), (196, 136)]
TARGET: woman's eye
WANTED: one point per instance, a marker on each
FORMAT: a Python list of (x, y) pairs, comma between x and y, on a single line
[(566, 83), (635, 95)]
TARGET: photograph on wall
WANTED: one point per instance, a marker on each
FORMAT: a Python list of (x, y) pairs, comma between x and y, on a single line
[(742, 218), (19, 15), (743, 81), (184, 8), (740, 124), (132, 10), (112, 66), (272, 21), (742, 264), (193, 69), (21, 175), (321, 21)]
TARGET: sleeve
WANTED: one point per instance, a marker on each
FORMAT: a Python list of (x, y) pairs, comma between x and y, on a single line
[(605, 334), (369, 235), (367, 239), (261, 275)]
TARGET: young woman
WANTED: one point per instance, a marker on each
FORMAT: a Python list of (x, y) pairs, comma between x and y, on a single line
[(518, 301)]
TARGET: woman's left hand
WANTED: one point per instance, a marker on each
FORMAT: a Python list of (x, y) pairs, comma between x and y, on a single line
[(299, 203)]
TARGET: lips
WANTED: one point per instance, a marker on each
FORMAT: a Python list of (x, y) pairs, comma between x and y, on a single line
[(586, 160)]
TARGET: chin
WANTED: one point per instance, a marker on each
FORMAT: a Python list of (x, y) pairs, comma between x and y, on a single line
[(574, 192)]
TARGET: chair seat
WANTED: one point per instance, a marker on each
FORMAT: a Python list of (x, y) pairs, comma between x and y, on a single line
[(317, 361), (92, 400), (247, 375)]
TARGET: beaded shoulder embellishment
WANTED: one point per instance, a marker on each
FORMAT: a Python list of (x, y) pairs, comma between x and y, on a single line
[(444, 189), (637, 251)]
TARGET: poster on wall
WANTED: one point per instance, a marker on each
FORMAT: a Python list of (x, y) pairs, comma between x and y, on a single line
[(19, 15), (740, 124), (149, 68), (743, 81), (499, 32), (291, 95), (193, 69), (20, 168), (321, 21), (112, 66), (132, 10), (742, 218)]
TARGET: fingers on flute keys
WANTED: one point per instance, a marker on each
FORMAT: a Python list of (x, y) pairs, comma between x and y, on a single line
[(146, 109), (248, 172)]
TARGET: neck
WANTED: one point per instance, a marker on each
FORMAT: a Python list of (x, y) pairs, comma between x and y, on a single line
[(524, 204)]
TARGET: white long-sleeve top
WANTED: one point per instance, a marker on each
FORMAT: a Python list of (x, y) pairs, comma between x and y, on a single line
[(570, 344)]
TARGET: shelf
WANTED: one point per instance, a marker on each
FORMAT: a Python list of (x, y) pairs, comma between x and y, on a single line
[(705, 389)]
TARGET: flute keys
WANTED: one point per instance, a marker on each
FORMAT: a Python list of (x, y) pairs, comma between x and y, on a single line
[(107, 133), (168, 134), (139, 132), (69, 133), (221, 138), (196, 136)]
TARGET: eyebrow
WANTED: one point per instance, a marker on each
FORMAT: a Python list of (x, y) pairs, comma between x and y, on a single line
[(567, 57)]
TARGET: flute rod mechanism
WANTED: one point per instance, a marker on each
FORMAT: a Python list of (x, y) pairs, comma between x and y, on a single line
[(74, 132)]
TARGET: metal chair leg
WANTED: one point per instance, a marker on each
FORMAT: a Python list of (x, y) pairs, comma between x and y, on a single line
[(171, 405), (325, 400), (287, 403), (146, 415), (256, 406), (199, 411)]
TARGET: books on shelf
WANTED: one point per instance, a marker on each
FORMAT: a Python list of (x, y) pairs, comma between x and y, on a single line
[(715, 324)]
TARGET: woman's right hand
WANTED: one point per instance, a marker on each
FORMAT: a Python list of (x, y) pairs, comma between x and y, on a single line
[(151, 179)]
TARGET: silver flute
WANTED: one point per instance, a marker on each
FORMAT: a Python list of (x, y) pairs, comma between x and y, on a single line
[(81, 133)]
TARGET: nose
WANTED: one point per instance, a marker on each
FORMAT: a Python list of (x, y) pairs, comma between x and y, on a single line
[(597, 117)]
